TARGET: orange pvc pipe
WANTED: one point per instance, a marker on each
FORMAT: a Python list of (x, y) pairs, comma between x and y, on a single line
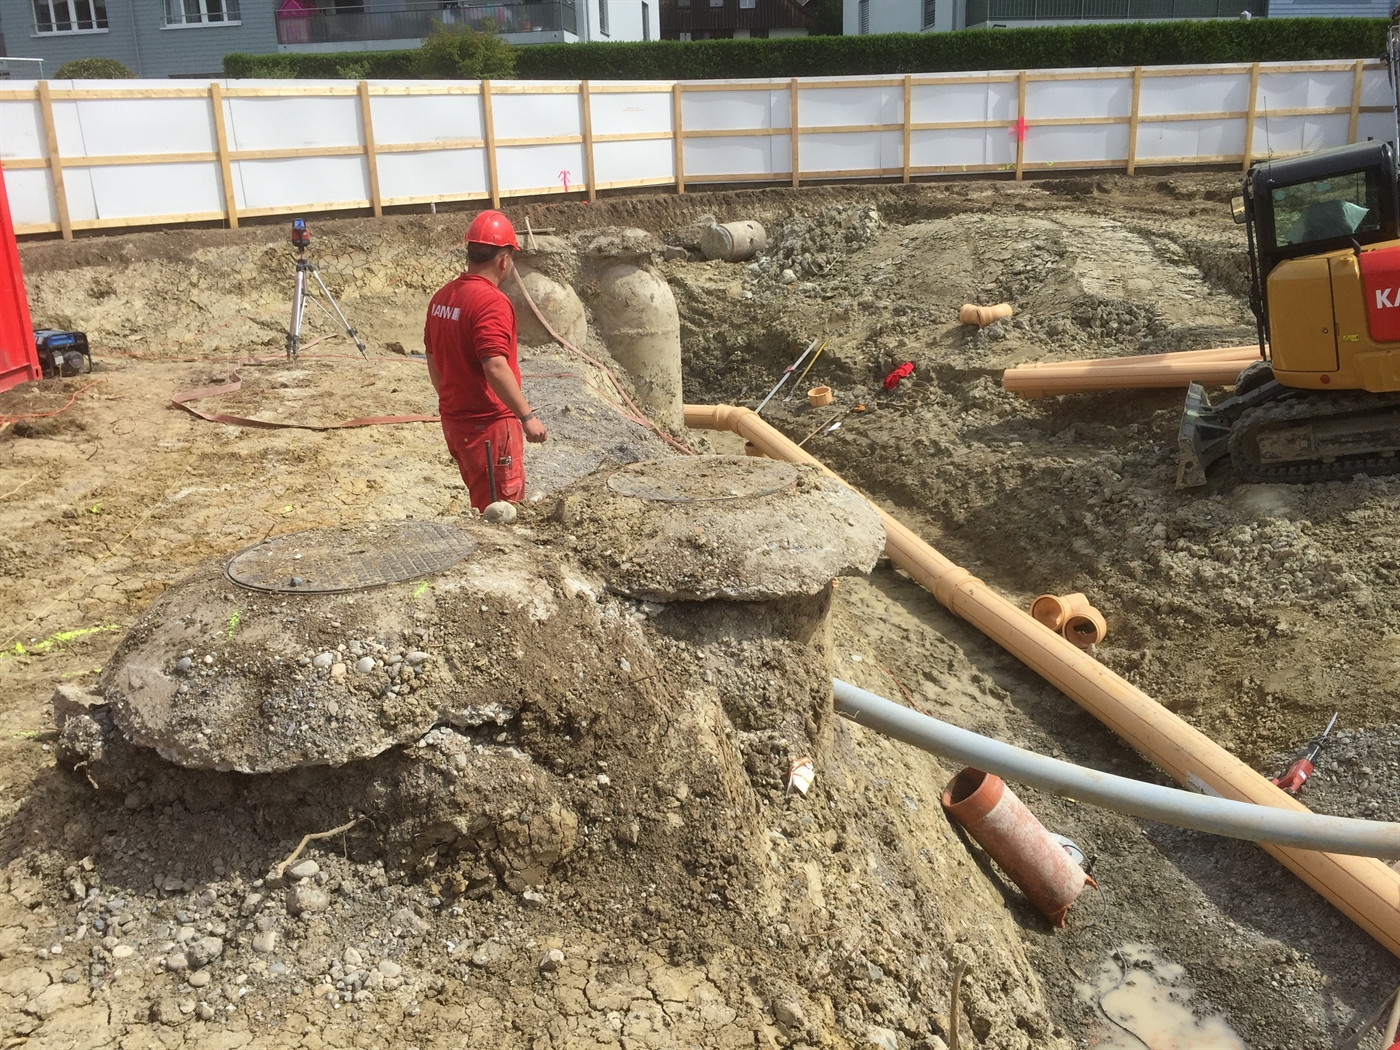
[(1220, 367), (982, 316), (1366, 890), (1072, 616)]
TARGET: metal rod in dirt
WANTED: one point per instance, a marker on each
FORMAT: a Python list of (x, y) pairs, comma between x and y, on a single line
[(491, 471), (298, 305), (798, 385), (1184, 809), (349, 328), (787, 372)]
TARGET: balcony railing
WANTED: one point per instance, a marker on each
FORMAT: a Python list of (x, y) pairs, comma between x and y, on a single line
[(980, 11), (415, 21)]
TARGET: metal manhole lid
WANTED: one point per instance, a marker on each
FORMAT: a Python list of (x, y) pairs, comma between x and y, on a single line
[(324, 561), (705, 479)]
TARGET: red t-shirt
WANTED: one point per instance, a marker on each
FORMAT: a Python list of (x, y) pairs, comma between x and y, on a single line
[(469, 320)]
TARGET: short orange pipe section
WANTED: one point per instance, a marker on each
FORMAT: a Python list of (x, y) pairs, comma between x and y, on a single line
[(982, 316), (1366, 890), (1016, 840), (1219, 367), (1072, 616)]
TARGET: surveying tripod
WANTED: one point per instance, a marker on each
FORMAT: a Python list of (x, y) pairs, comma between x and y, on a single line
[(301, 240)]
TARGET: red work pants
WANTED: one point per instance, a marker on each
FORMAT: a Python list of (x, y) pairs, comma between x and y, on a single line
[(466, 440)]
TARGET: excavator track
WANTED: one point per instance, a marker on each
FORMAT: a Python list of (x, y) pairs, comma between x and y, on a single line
[(1317, 437)]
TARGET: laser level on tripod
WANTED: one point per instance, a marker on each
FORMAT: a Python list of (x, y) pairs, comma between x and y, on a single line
[(301, 240)]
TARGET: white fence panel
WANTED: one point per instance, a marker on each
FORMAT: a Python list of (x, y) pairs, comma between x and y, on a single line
[(101, 154)]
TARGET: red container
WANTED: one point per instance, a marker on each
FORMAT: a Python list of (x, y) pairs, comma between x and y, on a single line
[(19, 363), (996, 818)]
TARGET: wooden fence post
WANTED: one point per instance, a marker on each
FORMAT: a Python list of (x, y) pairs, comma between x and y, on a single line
[(796, 133), (216, 100), (1356, 71), (586, 104), (60, 196), (488, 125), (1249, 116), (908, 119), (1021, 126), (367, 122), (1133, 120), (679, 135)]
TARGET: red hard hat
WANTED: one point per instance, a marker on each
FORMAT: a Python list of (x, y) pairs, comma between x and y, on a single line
[(492, 227)]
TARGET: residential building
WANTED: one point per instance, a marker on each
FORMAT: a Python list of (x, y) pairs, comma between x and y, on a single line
[(734, 19), (189, 38), (915, 16)]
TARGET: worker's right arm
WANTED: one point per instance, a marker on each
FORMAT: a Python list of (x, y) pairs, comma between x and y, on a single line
[(503, 384), (434, 376)]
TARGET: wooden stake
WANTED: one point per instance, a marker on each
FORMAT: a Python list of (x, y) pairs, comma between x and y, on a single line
[(1133, 120), (586, 106), (680, 136), (216, 100), (60, 196), (908, 122), (1021, 126), (1249, 116), (796, 133), (488, 124), (367, 121), (1355, 99)]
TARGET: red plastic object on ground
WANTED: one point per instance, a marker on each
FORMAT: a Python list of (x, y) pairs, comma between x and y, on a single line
[(995, 817), (19, 363), (1380, 276), (901, 373)]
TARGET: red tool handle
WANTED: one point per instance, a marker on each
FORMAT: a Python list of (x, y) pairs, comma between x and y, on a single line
[(1295, 776)]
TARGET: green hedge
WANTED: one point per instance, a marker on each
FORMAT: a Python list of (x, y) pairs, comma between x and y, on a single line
[(1127, 44)]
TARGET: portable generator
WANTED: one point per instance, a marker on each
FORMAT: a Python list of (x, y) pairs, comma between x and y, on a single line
[(62, 353)]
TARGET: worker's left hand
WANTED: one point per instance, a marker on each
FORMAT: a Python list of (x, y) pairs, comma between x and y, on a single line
[(535, 431)]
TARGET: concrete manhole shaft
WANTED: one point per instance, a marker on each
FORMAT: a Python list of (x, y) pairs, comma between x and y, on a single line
[(708, 479), (325, 561)]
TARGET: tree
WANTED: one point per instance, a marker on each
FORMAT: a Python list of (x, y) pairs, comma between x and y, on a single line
[(460, 52), (94, 69)]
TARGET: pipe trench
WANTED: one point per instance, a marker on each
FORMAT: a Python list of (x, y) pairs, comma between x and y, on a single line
[(1365, 889)]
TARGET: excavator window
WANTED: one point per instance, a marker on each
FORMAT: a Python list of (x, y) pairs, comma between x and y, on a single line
[(1327, 208)]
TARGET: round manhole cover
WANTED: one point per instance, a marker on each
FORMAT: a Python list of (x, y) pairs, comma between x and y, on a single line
[(322, 561), (705, 479)]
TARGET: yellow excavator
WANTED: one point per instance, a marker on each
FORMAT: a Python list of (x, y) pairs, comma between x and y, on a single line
[(1323, 401)]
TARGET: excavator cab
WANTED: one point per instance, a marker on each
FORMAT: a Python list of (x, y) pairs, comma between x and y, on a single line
[(1323, 234)]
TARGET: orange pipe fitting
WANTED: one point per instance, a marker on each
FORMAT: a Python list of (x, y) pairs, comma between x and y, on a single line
[(1053, 609), (819, 396), (1219, 367), (1017, 841), (982, 316), (1072, 616), (1364, 889)]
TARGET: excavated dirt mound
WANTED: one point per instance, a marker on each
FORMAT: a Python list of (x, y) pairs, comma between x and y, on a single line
[(761, 917)]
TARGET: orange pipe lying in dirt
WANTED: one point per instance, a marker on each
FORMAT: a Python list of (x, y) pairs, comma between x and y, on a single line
[(982, 316), (1219, 367), (1072, 616), (1366, 890), (1017, 841)]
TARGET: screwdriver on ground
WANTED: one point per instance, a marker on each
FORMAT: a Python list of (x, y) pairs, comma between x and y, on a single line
[(1298, 771)]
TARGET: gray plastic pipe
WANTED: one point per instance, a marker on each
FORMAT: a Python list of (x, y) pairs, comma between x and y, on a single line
[(1184, 809)]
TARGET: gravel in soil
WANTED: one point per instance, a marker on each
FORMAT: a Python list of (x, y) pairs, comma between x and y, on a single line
[(1253, 611)]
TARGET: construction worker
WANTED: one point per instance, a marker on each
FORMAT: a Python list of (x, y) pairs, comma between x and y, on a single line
[(470, 341)]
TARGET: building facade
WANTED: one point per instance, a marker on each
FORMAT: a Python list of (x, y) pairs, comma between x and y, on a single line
[(734, 19), (861, 17), (189, 38)]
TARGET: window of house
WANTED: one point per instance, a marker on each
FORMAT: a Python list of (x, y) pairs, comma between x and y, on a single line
[(646, 22), (682, 3), (929, 6), (70, 16), (716, 3), (200, 12), (864, 17), (603, 18), (747, 5)]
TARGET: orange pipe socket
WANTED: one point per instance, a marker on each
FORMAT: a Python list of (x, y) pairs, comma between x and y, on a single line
[(1072, 616), (1219, 367), (819, 396), (1017, 841), (982, 316), (1366, 890)]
